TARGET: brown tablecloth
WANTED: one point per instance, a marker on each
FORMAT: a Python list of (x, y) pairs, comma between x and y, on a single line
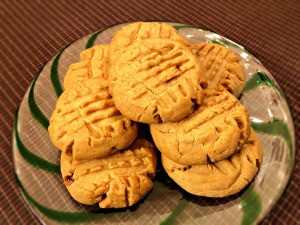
[(32, 32)]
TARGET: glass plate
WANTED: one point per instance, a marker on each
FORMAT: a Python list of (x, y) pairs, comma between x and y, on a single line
[(37, 160)]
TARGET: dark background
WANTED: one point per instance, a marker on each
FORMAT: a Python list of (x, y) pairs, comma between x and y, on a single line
[(32, 32)]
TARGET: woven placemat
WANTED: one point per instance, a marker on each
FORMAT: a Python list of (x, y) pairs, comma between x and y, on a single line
[(32, 32)]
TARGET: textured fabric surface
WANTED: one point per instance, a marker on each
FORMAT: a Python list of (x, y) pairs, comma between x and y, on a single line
[(32, 32)]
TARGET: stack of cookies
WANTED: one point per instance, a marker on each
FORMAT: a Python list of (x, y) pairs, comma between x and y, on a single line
[(102, 160), (187, 93)]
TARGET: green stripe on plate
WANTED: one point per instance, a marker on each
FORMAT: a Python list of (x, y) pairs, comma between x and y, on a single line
[(171, 219), (261, 78), (250, 201), (213, 41), (275, 127), (34, 109), (31, 158), (251, 206), (224, 42), (54, 76), (91, 41)]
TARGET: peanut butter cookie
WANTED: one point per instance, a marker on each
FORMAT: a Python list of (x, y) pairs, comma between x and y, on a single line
[(131, 33), (116, 181), (217, 129), (94, 62), (222, 178), (221, 67), (156, 80), (86, 124)]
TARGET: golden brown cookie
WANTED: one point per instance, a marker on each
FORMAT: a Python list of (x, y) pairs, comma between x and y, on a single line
[(222, 178), (77, 72), (94, 62), (221, 67), (217, 129), (156, 80), (116, 181), (86, 124), (133, 32)]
